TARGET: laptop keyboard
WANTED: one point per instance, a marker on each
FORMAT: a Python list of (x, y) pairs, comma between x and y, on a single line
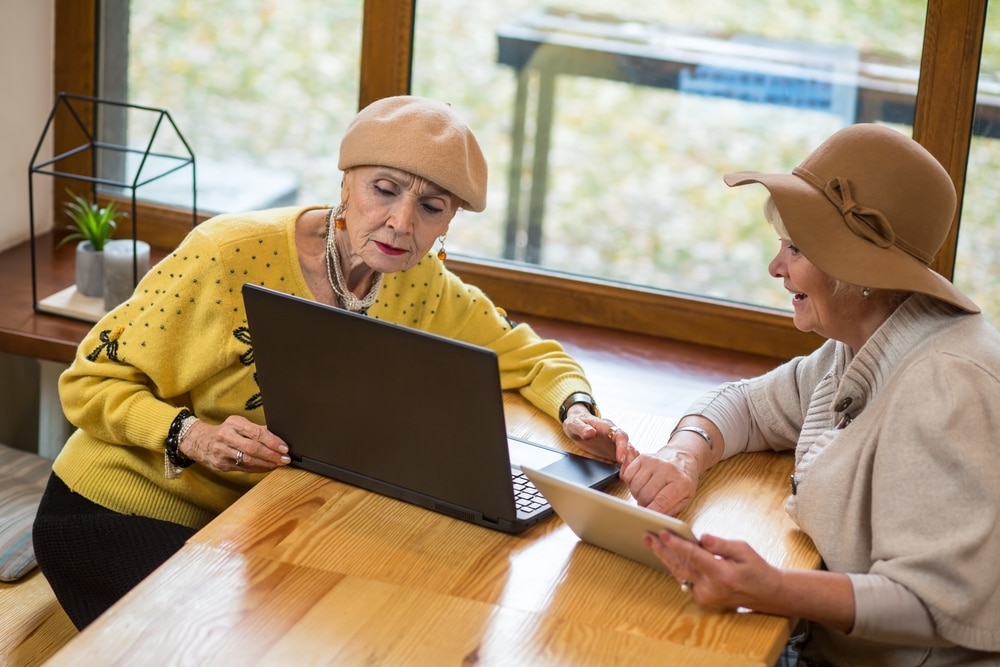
[(526, 496)]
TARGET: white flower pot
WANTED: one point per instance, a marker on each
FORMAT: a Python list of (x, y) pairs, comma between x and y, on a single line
[(118, 269), (89, 270)]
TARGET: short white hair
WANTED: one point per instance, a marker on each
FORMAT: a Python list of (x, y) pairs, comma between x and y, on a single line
[(773, 216)]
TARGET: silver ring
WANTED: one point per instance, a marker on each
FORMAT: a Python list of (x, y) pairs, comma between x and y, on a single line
[(612, 432), (239, 458), (686, 586)]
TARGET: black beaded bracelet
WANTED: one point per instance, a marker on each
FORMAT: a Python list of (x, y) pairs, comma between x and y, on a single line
[(174, 439), (578, 397)]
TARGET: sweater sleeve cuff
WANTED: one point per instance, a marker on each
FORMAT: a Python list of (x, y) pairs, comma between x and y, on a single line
[(149, 421), (725, 407), (887, 611)]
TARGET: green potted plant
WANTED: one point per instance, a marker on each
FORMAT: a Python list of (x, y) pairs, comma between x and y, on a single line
[(93, 226)]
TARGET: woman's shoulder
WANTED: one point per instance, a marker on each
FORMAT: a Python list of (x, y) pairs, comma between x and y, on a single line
[(229, 228), (970, 336), (966, 348), (926, 333)]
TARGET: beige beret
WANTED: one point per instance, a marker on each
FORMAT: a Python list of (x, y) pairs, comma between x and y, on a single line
[(423, 137)]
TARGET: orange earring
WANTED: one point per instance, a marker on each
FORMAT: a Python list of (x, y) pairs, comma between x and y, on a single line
[(340, 216), (442, 255)]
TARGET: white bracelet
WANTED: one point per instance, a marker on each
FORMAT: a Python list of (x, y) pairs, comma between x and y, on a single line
[(694, 429), (185, 427)]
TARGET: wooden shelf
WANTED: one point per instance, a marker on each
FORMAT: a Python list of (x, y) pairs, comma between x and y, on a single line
[(22, 330)]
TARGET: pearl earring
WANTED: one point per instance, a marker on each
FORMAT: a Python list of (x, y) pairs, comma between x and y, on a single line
[(866, 292)]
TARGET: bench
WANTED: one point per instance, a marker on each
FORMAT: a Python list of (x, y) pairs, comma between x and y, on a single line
[(551, 42), (32, 624)]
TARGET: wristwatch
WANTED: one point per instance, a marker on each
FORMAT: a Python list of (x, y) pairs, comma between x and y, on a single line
[(579, 397)]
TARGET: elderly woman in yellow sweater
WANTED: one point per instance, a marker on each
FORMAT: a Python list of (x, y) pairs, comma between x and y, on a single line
[(170, 427)]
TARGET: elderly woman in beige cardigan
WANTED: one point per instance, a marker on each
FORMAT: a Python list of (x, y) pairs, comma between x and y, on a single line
[(895, 423)]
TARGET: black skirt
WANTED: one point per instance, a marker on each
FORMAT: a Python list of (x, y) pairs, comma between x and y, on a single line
[(92, 556)]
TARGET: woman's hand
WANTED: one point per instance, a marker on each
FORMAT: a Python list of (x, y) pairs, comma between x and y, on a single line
[(718, 572), (598, 436), (237, 444), (665, 481), (731, 575)]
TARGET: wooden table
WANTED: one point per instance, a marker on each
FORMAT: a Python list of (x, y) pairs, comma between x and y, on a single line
[(305, 570)]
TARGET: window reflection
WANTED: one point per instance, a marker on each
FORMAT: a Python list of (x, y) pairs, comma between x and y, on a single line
[(629, 121)]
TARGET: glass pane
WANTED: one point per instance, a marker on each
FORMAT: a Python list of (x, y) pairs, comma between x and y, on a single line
[(261, 91), (630, 120), (977, 266)]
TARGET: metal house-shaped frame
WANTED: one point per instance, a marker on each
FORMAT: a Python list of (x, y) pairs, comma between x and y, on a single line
[(148, 165)]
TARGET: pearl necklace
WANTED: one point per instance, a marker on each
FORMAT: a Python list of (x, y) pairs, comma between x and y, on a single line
[(336, 276)]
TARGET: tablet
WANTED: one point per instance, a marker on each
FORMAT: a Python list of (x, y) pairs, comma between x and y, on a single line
[(607, 521)]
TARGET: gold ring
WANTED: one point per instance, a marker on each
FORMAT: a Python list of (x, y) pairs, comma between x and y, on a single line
[(686, 586), (239, 459), (612, 432)]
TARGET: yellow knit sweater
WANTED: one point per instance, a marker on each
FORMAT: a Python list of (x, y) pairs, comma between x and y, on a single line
[(182, 340)]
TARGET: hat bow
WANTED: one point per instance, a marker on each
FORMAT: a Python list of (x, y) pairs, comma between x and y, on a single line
[(868, 223), (863, 221)]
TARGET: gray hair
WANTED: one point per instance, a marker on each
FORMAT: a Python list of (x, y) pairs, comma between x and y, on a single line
[(773, 217)]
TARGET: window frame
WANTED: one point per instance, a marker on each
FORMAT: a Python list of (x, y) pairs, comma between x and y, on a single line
[(945, 105)]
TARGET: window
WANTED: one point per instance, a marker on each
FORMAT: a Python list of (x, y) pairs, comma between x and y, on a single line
[(687, 257), (977, 266), (630, 119), (261, 92)]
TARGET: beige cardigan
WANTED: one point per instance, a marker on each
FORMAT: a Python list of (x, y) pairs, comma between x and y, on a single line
[(897, 479)]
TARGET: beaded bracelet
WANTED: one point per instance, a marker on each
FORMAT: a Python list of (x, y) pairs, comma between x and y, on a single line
[(174, 440)]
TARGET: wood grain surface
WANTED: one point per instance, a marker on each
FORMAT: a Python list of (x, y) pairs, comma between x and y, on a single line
[(306, 570)]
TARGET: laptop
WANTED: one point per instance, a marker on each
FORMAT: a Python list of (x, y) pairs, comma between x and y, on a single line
[(401, 412), (606, 521)]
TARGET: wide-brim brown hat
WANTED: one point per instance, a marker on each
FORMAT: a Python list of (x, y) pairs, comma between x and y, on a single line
[(871, 207), (421, 136)]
